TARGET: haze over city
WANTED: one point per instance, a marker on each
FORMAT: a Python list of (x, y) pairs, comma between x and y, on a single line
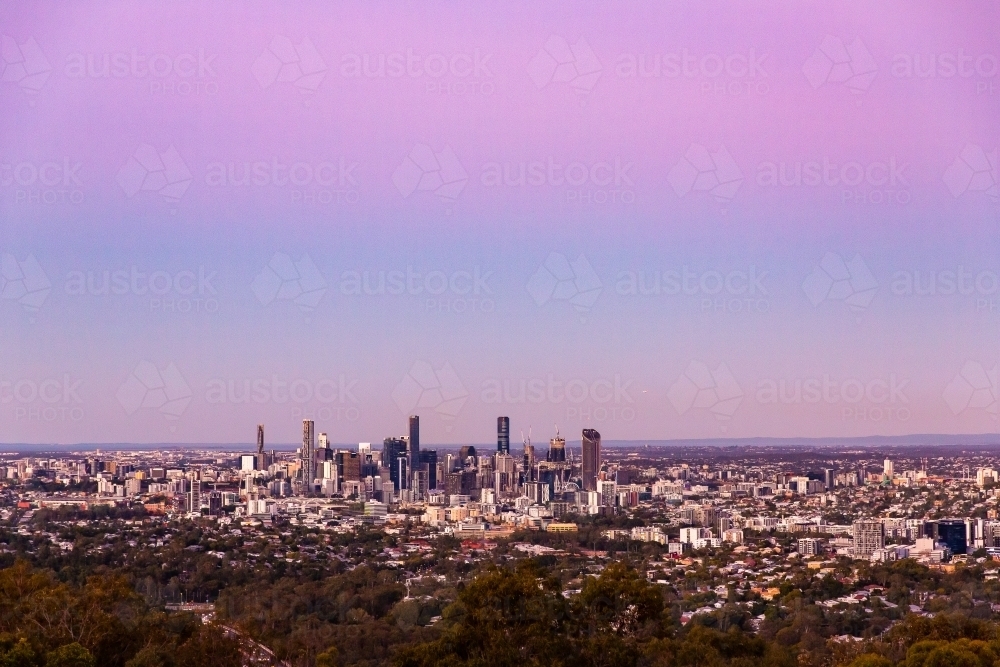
[(437, 334), (727, 228)]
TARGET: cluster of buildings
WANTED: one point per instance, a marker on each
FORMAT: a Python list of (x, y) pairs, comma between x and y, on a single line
[(841, 506), (403, 472)]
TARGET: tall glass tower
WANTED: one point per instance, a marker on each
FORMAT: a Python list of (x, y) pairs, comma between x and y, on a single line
[(308, 453), (260, 447), (557, 449), (591, 458), (503, 435), (414, 442)]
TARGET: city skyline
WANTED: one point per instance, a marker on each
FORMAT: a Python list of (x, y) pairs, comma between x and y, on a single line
[(503, 333)]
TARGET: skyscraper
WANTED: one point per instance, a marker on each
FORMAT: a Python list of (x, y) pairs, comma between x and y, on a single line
[(869, 536), (953, 533), (429, 460), (529, 462), (260, 447), (591, 458), (465, 452), (557, 449), (348, 466), (414, 442), (194, 497), (307, 455), (503, 435), (392, 450)]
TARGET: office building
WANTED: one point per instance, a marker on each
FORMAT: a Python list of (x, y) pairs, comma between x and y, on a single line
[(394, 449), (557, 449), (954, 533), (307, 454), (529, 462), (887, 468), (194, 497), (428, 463), (261, 465), (414, 443), (869, 536), (348, 467), (503, 435), (466, 452), (591, 447)]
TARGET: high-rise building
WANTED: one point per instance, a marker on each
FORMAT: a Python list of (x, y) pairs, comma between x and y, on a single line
[(418, 484), (887, 468), (557, 449), (828, 478), (348, 466), (394, 449), (465, 452), (260, 447), (194, 496), (869, 536), (414, 451), (428, 460), (307, 455), (529, 462), (503, 435), (954, 534), (808, 546), (591, 458)]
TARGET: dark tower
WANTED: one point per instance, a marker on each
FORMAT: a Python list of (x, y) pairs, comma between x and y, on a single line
[(260, 447), (591, 458), (308, 456), (414, 442), (429, 458), (392, 450), (557, 449), (503, 435)]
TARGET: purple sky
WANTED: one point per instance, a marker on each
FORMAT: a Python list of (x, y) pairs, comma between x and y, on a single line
[(686, 221)]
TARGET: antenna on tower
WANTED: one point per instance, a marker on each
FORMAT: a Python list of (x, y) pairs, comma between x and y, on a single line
[(557, 430)]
